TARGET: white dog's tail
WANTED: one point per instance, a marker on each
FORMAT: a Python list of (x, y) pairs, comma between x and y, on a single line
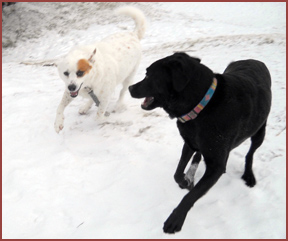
[(138, 17)]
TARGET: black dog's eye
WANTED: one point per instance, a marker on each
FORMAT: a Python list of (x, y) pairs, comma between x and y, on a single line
[(79, 73), (66, 73)]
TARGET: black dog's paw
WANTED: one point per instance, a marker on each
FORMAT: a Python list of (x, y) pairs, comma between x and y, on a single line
[(249, 179), (183, 184), (186, 184), (190, 186), (174, 223)]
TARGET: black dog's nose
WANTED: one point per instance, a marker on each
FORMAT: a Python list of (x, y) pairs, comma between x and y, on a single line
[(72, 87), (130, 88)]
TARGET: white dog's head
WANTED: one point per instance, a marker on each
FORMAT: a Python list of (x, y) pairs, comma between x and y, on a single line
[(75, 68)]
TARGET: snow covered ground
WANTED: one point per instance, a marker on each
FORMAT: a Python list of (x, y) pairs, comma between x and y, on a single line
[(115, 180)]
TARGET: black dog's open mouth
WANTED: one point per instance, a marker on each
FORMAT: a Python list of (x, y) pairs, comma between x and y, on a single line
[(150, 102), (147, 104), (74, 94)]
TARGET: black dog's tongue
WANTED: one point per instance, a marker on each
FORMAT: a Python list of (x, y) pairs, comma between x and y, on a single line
[(148, 101)]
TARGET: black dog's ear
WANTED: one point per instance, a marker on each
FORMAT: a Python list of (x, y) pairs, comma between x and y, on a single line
[(199, 60), (179, 76)]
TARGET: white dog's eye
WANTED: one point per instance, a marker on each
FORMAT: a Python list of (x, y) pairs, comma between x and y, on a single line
[(79, 73), (66, 73)]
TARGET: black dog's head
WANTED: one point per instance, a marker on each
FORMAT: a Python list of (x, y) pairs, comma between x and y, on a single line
[(173, 83)]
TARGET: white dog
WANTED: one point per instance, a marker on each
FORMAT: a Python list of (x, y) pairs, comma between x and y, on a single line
[(100, 67)]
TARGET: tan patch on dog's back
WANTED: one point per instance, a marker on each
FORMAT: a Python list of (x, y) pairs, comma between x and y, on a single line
[(83, 65)]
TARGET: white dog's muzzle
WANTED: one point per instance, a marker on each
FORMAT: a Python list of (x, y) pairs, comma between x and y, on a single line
[(72, 88)]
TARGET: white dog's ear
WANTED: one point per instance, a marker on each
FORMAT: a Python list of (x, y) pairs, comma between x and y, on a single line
[(91, 60), (58, 61)]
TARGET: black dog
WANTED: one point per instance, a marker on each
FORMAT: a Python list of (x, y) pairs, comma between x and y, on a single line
[(215, 112)]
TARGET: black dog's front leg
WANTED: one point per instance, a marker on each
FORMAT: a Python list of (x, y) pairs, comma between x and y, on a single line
[(176, 219), (179, 175)]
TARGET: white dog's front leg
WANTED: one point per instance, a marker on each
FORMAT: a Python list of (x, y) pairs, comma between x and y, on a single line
[(101, 112), (58, 124), (84, 109), (104, 98)]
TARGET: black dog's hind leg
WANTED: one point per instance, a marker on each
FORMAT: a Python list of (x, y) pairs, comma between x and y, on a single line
[(214, 170), (256, 142), (179, 175), (189, 176)]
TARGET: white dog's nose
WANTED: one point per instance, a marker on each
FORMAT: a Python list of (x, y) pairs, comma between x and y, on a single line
[(72, 87)]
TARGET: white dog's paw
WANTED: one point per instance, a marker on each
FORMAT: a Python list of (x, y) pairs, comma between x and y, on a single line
[(83, 110), (101, 115), (58, 128), (58, 125)]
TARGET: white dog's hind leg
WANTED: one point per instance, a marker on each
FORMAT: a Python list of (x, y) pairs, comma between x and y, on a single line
[(58, 124), (84, 108), (120, 106)]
